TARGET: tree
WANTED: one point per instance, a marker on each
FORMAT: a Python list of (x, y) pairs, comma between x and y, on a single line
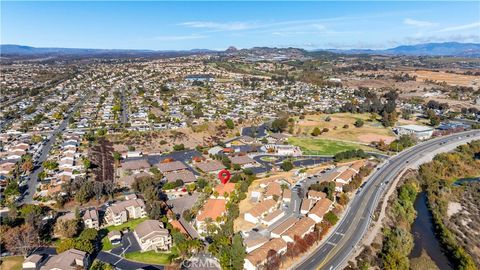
[(155, 209), (89, 234), (50, 165), (85, 192), (117, 156), (65, 244), (316, 131), (287, 165), (66, 228), (343, 199), (86, 163), (99, 265), (326, 187), (31, 213), (359, 123), (279, 125), (187, 215), (237, 252), (273, 260), (229, 123), (27, 166), (328, 119), (21, 239), (98, 190), (331, 218), (179, 147), (406, 113), (433, 117)]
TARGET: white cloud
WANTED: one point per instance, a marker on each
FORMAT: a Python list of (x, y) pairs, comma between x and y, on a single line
[(174, 38), (418, 23), (230, 26), (461, 27)]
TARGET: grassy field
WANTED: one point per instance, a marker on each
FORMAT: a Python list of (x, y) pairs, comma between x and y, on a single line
[(151, 257), (371, 131), (312, 146), (12, 263), (131, 224)]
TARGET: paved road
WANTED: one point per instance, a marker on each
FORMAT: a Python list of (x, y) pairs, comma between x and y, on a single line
[(32, 179), (334, 252), (124, 117)]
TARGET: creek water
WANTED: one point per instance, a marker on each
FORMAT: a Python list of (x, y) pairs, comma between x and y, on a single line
[(424, 235)]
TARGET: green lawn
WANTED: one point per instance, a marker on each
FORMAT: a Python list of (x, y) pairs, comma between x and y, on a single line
[(151, 257), (268, 159), (131, 224), (312, 146), (12, 263), (107, 245)]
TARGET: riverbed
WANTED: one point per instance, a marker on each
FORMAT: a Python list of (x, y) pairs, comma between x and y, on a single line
[(424, 235)]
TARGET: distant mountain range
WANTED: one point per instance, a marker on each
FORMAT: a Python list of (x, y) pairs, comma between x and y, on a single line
[(427, 49)]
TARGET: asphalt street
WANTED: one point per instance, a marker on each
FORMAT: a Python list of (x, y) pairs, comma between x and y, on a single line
[(334, 252), (32, 179)]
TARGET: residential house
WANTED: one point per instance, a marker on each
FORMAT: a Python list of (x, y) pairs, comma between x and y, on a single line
[(210, 166), (33, 262), (302, 227), (346, 176), (287, 195), (171, 166), (254, 240), (185, 175), (316, 195), (151, 235), (118, 213), (273, 191), (320, 209), (306, 205), (72, 259), (221, 189), (243, 161), (136, 166), (259, 211), (115, 237), (90, 219), (273, 217), (259, 256), (276, 138), (213, 209)]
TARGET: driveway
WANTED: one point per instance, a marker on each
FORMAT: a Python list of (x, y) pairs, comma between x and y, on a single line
[(129, 244)]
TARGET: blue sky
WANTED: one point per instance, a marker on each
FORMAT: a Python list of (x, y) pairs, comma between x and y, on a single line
[(217, 25)]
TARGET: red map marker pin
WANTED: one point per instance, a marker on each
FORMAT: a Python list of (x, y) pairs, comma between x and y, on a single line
[(224, 175)]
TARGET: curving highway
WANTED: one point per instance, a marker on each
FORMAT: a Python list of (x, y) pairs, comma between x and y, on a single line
[(335, 251)]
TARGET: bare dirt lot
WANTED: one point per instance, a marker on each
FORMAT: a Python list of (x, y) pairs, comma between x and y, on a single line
[(205, 134), (449, 78), (371, 131)]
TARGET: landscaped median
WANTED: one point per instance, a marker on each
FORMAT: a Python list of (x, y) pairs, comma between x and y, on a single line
[(151, 257)]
